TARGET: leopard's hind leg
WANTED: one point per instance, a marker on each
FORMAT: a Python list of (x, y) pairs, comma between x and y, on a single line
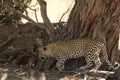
[(92, 60), (88, 65), (97, 62)]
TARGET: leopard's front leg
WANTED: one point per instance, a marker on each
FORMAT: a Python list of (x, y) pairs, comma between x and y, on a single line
[(60, 64)]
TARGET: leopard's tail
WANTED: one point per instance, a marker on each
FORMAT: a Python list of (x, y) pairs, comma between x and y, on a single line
[(105, 56)]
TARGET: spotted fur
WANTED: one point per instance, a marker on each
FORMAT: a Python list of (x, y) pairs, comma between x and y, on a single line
[(88, 48)]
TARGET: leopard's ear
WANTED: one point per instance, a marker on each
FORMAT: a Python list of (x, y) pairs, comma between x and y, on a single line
[(39, 41)]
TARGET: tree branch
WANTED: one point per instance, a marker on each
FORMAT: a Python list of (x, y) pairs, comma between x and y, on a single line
[(29, 19), (46, 19)]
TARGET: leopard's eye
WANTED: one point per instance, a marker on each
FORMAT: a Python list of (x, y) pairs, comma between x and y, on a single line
[(44, 48), (43, 58)]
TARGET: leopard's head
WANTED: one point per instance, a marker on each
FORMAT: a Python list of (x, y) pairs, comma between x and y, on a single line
[(45, 51)]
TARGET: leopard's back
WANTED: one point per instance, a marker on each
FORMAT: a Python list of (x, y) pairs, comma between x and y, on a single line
[(76, 48)]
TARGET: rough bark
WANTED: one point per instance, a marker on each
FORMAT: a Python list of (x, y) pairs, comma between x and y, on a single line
[(97, 19)]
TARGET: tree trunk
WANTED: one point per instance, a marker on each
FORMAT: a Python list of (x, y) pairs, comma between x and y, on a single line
[(97, 19)]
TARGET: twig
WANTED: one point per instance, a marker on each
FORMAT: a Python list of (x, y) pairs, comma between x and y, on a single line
[(34, 4), (9, 40), (35, 13), (65, 12), (2, 20)]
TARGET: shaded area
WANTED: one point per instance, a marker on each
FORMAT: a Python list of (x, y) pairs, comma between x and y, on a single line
[(21, 74), (19, 59)]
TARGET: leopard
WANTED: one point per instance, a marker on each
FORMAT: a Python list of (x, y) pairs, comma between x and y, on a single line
[(90, 49)]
